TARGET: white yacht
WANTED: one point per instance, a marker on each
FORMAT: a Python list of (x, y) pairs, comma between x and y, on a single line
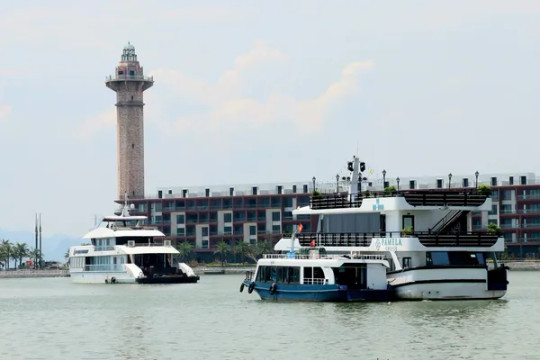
[(426, 235), (121, 250)]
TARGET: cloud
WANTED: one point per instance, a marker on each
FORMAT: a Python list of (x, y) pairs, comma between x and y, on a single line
[(5, 111), (94, 124), (228, 102)]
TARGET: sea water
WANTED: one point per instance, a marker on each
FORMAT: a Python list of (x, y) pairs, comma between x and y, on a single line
[(52, 318)]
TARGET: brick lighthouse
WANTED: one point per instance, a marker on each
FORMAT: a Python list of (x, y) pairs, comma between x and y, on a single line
[(129, 84)]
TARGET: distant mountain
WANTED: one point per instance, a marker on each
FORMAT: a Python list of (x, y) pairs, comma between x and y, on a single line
[(54, 246)]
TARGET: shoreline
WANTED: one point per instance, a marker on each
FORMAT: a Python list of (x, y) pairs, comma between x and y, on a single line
[(514, 265)]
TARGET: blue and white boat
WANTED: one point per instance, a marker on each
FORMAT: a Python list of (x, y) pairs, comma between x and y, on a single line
[(319, 277)]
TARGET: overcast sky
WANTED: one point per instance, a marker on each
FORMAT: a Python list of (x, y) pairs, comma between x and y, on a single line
[(253, 92)]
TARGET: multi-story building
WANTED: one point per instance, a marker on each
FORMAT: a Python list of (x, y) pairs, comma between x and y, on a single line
[(204, 216)]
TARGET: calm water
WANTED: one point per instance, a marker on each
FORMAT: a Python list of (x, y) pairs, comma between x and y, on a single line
[(55, 319)]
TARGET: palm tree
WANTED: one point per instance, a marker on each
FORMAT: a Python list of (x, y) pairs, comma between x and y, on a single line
[(6, 247), (22, 251), (37, 255), (242, 248), (185, 249), (222, 249)]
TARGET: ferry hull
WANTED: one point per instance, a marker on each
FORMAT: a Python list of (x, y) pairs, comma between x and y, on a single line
[(448, 283), (319, 293)]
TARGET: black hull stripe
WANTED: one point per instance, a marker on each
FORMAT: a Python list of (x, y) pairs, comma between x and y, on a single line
[(436, 268), (441, 281)]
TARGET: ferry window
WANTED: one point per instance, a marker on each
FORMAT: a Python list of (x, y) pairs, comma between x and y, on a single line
[(318, 273), (462, 258), (481, 259), (439, 258), (408, 221), (294, 275), (406, 262)]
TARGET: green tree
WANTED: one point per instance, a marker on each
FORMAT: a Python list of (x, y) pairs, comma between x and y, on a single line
[(484, 189), (390, 190), (21, 251), (36, 254), (493, 229), (222, 250), (6, 252), (185, 249), (242, 249)]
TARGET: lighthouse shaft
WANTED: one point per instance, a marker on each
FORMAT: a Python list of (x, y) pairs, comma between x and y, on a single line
[(129, 84)]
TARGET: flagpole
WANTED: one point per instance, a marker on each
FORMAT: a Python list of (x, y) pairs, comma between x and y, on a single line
[(40, 248), (36, 248)]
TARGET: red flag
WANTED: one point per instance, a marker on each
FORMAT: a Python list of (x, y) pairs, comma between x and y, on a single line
[(312, 243), (299, 228)]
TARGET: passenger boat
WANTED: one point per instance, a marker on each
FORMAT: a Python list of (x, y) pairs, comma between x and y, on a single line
[(121, 250), (425, 235), (316, 277)]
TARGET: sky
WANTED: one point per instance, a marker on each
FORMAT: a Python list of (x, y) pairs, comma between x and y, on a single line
[(258, 92)]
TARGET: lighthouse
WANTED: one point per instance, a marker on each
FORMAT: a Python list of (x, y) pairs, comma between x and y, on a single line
[(129, 83)]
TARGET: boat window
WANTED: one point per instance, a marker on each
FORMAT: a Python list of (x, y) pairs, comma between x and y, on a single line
[(313, 275), (438, 258), (463, 258), (406, 262), (352, 275)]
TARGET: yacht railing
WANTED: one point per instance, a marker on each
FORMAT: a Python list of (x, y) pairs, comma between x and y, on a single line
[(327, 256), (104, 267), (426, 238)]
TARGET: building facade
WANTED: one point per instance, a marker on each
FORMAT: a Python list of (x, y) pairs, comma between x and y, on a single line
[(204, 216)]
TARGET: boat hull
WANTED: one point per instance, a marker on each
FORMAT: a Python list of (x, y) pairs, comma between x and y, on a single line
[(97, 277), (318, 293), (447, 284), (168, 279)]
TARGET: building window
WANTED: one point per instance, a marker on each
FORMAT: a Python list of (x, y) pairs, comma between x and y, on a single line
[(252, 230), (511, 180), (204, 244), (523, 180), (276, 229), (276, 216), (205, 231), (439, 183), (465, 182), (493, 181), (180, 232), (227, 217), (227, 230)]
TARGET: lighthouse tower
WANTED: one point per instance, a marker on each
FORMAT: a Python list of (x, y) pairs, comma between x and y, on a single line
[(129, 84)]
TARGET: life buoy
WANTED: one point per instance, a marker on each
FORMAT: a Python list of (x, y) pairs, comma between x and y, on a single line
[(273, 288), (241, 287), (251, 287)]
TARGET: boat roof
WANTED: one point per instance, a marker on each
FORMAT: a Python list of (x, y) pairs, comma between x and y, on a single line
[(326, 261), (104, 232), (124, 218), (135, 250)]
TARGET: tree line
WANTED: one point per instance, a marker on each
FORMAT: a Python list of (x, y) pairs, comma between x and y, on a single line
[(240, 251), (17, 252)]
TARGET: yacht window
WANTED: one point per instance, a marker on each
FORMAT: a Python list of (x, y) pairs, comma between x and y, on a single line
[(438, 258), (406, 262)]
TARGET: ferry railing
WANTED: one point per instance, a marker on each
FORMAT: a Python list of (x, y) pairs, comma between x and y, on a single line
[(327, 256), (314, 281), (104, 267), (103, 248), (426, 238)]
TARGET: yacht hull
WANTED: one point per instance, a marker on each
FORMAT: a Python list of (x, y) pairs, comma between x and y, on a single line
[(447, 284)]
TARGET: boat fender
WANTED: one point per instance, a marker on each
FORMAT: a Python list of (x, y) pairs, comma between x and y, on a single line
[(242, 287), (251, 287), (113, 280), (273, 288)]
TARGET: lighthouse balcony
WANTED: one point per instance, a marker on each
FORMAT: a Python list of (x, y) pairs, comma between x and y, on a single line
[(127, 77)]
